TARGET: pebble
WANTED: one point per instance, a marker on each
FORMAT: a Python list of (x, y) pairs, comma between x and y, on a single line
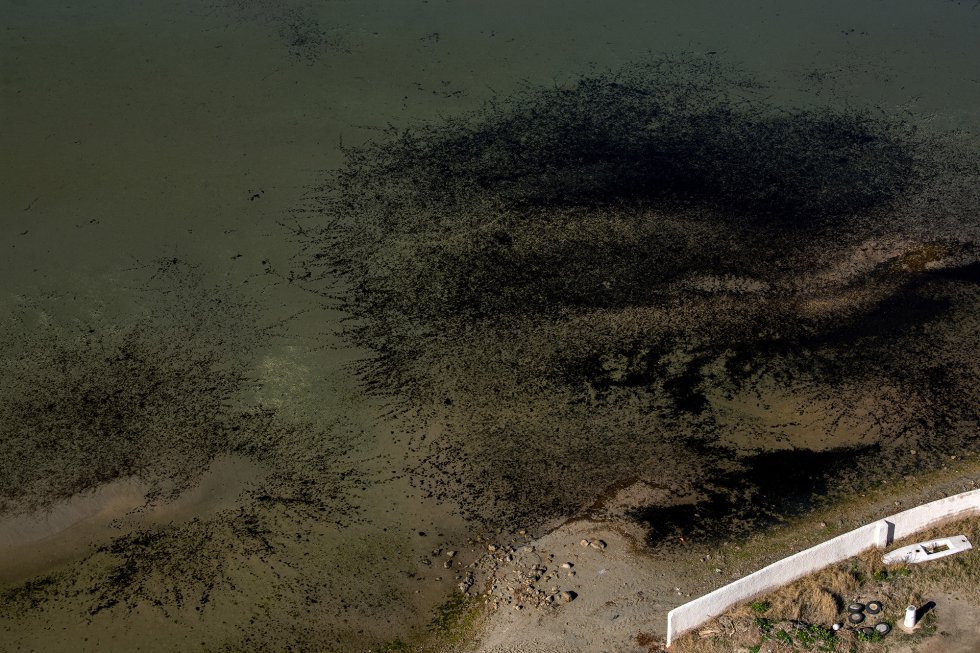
[(598, 544), (584, 542), (567, 565), (567, 597)]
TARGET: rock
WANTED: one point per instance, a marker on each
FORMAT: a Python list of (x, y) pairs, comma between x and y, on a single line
[(598, 544), (451, 554), (567, 597), (584, 542), (491, 548), (567, 565)]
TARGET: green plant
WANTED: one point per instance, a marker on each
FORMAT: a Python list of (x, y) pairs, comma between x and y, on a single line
[(814, 635), (873, 636), (765, 625), (454, 618), (784, 637), (760, 607)]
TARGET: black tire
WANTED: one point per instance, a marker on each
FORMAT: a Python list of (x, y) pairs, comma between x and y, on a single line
[(873, 607), (883, 629), (855, 607), (855, 617)]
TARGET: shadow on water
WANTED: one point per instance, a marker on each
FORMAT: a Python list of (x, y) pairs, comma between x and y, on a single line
[(769, 488)]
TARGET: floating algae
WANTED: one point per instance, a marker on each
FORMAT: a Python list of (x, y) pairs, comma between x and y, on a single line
[(596, 281)]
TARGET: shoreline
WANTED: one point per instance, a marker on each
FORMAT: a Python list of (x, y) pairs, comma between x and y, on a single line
[(621, 592)]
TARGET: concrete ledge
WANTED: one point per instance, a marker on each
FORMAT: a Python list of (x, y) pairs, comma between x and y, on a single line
[(877, 534)]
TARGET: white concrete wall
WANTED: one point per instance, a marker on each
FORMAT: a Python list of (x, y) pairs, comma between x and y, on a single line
[(916, 519), (877, 534)]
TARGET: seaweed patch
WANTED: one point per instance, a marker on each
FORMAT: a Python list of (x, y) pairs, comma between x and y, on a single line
[(159, 396), (296, 24), (613, 277)]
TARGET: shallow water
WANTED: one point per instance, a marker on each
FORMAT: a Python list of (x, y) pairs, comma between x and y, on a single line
[(192, 132)]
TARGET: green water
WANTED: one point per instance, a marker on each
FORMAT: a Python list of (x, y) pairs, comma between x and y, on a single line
[(133, 134)]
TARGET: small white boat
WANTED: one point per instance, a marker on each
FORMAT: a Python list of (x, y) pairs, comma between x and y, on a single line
[(931, 550)]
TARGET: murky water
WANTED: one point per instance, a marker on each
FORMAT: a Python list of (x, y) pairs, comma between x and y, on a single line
[(192, 458)]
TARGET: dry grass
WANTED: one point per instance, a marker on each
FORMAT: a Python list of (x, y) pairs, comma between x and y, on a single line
[(774, 622)]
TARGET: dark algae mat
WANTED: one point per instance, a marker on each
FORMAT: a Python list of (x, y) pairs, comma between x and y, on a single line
[(581, 280)]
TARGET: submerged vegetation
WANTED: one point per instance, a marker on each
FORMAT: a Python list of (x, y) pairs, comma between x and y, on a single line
[(657, 272), (85, 402), (159, 397)]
